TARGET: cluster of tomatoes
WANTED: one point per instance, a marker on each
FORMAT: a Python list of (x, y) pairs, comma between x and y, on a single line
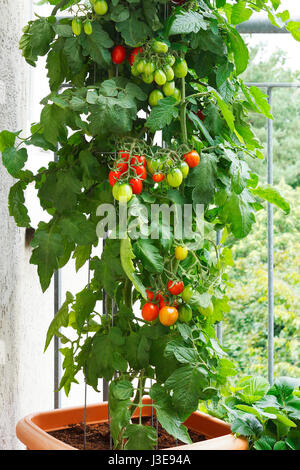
[(162, 168), (157, 306), (100, 7), (127, 176), (155, 64)]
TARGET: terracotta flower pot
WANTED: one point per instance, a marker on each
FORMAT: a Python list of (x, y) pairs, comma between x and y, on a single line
[(32, 430)]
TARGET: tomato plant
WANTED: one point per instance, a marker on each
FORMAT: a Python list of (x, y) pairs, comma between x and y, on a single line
[(107, 125)]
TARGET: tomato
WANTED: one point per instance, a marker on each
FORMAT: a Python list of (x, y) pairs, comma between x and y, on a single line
[(154, 97), (177, 95), (175, 287), (147, 78), (200, 115), (209, 310), (174, 178), (122, 167), (180, 68), (170, 59), (185, 313), (162, 303), (169, 88), (118, 54), (115, 190), (124, 192), (154, 165), (88, 28), (160, 77), (158, 177), (113, 177), (100, 7), (184, 168), (168, 316), (138, 159), (150, 294), (140, 171), (140, 65), (150, 311), (134, 71), (136, 51), (149, 68), (76, 26), (124, 155), (181, 252), (159, 46), (192, 158), (136, 186), (169, 72), (187, 293)]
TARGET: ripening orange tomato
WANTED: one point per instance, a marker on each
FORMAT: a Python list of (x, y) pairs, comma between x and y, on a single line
[(168, 315)]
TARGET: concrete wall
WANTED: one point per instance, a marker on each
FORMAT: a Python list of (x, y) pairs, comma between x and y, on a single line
[(26, 374)]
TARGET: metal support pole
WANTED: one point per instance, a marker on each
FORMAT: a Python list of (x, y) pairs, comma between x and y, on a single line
[(270, 251), (57, 356)]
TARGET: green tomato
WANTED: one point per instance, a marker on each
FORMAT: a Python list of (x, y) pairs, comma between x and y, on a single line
[(187, 293), (88, 28), (208, 311), (115, 190), (154, 165), (76, 26), (159, 46), (147, 77), (149, 67), (154, 97), (124, 193), (174, 178), (170, 59), (160, 77), (184, 168), (169, 72), (100, 7), (169, 88), (180, 68), (185, 314), (141, 65), (134, 70), (177, 95)]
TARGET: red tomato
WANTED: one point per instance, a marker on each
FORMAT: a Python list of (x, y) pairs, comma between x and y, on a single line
[(122, 167), (192, 158), (150, 311), (200, 115), (136, 185), (113, 177), (140, 171), (138, 159), (133, 54), (118, 54), (175, 287), (158, 177), (124, 155), (150, 294)]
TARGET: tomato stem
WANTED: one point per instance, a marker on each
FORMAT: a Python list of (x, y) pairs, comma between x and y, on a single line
[(183, 112)]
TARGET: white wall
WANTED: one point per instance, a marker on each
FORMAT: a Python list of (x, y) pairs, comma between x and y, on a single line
[(26, 377)]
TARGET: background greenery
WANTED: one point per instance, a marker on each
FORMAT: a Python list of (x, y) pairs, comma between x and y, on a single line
[(245, 327)]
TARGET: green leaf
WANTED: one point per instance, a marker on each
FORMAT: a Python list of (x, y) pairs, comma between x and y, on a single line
[(240, 50), (133, 30), (247, 425), (203, 179), (78, 228), (261, 101), (109, 269), (240, 13), (123, 389), (14, 160), (49, 247), (187, 22), (149, 255), (270, 194), (96, 45), (61, 189), (53, 123), (127, 256), (140, 437), (16, 205), (253, 388), (60, 319), (238, 213), (84, 305), (264, 443), (73, 54), (224, 108), (81, 255), (294, 28), (7, 139), (162, 114), (283, 388)]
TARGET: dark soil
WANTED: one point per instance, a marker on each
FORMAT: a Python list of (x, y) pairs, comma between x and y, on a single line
[(98, 437)]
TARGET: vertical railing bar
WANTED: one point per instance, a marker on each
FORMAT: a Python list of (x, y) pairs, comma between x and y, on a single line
[(219, 330), (270, 250)]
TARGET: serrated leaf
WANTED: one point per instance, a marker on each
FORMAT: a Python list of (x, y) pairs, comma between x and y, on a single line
[(272, 195), (240, 51), (162, 114), (148, 253), (16, 205), (14, 160), (60, 319), (186, 22), (140, 437)]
